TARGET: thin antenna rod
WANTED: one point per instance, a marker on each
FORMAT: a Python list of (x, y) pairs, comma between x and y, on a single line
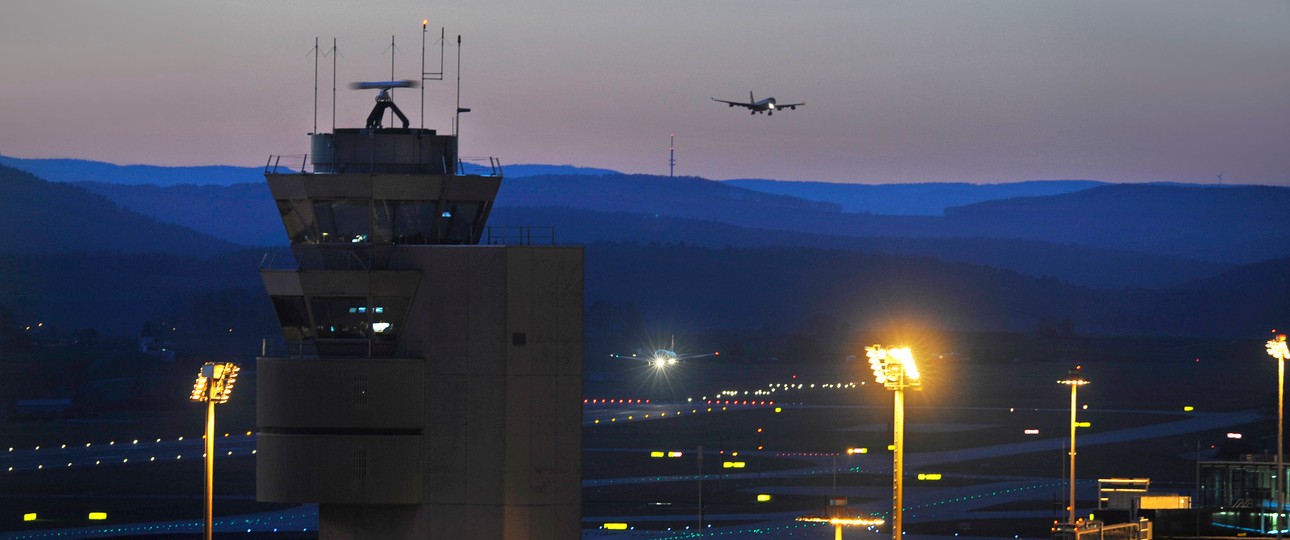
[(315, 84), (424, 22), (457, 112), (334, 54), (391, 78), (425, 75)]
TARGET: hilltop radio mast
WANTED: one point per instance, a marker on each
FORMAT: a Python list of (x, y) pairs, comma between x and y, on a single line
[(671, 158)]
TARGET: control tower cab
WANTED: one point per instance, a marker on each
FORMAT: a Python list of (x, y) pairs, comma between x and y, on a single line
[(431, 386)]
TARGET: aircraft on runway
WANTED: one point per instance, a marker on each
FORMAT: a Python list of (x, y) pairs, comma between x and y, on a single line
[(768, 105), (663, 358)]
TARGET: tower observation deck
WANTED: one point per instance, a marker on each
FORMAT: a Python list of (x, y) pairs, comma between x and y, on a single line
[(432, 386)]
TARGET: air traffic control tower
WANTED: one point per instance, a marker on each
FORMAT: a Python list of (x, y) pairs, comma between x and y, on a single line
[(433, 385)]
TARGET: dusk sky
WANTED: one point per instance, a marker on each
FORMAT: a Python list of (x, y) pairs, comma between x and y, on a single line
[(896, 91)]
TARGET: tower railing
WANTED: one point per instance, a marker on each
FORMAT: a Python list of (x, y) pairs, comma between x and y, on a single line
[(521, 235), (479, 166), (300, 164)]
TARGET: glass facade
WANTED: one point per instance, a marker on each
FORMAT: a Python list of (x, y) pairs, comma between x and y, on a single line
[(381, 222), (1238, 484), (350, 325)]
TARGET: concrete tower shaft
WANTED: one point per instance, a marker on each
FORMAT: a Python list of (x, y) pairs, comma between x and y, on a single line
[(432, 386)]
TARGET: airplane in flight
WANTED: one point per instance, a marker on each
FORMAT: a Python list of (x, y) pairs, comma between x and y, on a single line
[(768, 105)]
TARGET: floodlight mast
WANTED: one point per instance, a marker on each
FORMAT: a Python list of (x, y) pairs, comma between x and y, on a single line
[(895, 369), (1277, 349), (1075, 380), (214, 385)]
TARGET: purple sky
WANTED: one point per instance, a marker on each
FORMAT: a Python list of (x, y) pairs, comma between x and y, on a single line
[(897, 91)]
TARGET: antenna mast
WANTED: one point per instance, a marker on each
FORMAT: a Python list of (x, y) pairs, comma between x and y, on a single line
[(391, 77), (425, 75), (315, 84), (334, 54), (457, 112), (424, 22), (671, 158)]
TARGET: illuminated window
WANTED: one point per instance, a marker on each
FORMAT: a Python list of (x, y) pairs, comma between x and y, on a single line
[(348, 222), (338, 317), (354, 325)]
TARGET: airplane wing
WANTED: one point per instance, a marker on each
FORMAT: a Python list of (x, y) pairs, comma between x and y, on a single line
[(780, 106), (648, 359), (734, 103)]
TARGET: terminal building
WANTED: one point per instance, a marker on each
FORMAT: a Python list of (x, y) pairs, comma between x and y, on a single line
[(1242, 494), (433, 384)]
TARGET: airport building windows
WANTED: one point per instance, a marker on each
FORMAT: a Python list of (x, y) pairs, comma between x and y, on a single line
[(457, 222), (381, 222), (413, 221), (294, 317), (340, 317), (344, 221), (298, 218), (346, 325), (1238, 484), (387, 318)]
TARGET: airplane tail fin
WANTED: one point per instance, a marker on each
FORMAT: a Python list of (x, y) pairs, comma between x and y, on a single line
[(750, 97)]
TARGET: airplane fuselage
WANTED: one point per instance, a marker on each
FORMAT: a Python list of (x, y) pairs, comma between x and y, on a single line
[(767, 106)]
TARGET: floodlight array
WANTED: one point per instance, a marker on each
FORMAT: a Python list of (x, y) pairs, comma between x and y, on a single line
[(893, 368), (215, 382), (1277, 348)]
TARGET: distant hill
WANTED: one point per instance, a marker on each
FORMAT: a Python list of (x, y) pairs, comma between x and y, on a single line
[(1223, 225), (1074, 264), (1242, 224), (244, 214), (521, 170), (774, 288), (1073, 238), (45, 217), (80, 170), (779, 289), (684, 196), (925, 199), (116, 292)]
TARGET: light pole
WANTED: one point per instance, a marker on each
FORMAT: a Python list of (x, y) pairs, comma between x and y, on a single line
[(1075, 380), (1277, 349), (895, 369), (214, 385)]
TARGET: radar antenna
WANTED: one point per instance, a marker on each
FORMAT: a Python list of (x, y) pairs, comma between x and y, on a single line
[(383, 100)]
